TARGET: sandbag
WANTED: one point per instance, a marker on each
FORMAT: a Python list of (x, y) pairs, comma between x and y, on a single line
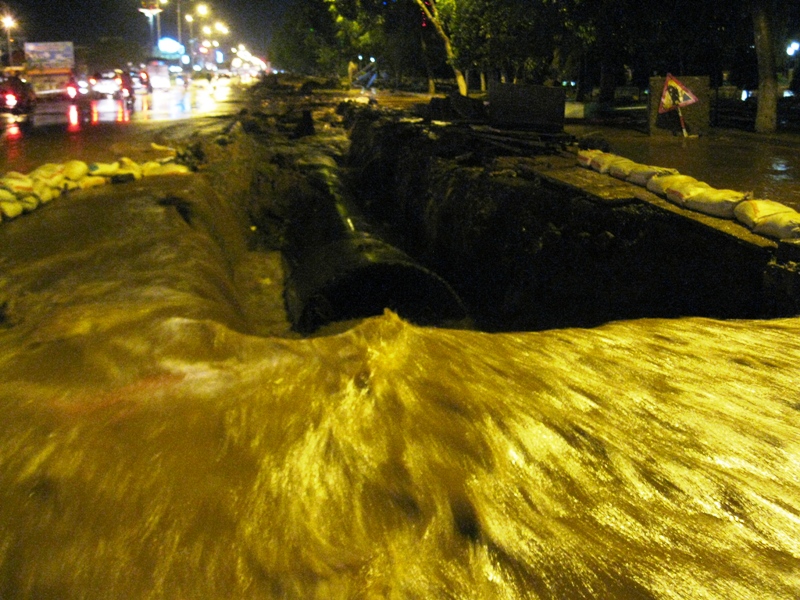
[(150, 167), (751, 212), (621, 169), (167, 169), (129, 167), (658, 184), (603, 161), (91, 181), (44, 192), (104, 169), (585, 157), (783, 225), (29, 203), (51, 174), (11, 209), (75, 170), (641, 174), (716, 203), (681, 190), (16, 183)]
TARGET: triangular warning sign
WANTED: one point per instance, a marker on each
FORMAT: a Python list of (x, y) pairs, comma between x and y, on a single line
[(675, 95)]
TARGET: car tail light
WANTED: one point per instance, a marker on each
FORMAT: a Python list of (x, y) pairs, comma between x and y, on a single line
[(11, 100), (72, 91), (125, 92)]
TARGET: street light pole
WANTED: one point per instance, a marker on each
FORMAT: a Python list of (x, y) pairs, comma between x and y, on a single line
[(8, 23)]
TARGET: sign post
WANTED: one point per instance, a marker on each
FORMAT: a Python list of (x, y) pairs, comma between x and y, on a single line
[(673, 97)]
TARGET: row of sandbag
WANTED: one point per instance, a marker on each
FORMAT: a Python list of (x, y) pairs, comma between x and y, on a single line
[(21, 193), (764, 217)]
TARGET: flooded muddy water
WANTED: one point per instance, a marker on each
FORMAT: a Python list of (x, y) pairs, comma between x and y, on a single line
[(166, 435)]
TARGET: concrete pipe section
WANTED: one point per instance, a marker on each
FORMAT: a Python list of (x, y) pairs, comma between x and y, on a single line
[(340, 270)]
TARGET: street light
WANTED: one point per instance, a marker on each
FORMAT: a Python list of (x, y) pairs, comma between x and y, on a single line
[(158, 22), (149, 9), (8, 23)]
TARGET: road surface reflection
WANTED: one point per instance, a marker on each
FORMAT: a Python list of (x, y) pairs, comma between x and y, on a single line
[(162, 105), (88, 129)]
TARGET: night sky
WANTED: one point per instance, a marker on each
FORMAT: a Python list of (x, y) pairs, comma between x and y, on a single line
[(83, 21)]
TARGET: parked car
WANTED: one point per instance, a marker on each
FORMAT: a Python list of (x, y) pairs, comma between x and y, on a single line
[(16, 95)]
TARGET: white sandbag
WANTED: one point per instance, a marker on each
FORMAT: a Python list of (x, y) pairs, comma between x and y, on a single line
[(603, 161), (621, 169), (70, 185), (51, 174), (44, 192), (641, 174), (680, 191), (781, 226), (128, 166), (150, 167), (751, 212), (16, 184), (168, 169), (11, 210), (91, 181), (75, 170), (585, 157), (658, 184), (716, 203), (104, 169), (29, 203)]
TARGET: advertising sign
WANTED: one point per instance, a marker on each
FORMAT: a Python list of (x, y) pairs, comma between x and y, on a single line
[(42, 56)]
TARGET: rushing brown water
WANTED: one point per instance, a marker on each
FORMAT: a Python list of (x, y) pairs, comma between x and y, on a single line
[(153, 446)]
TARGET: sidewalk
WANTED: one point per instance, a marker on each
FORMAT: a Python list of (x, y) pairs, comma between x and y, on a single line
[(766, 164)]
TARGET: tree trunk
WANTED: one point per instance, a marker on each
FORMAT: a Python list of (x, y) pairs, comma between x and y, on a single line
[(433, 16), (767, 112), (428, 68)]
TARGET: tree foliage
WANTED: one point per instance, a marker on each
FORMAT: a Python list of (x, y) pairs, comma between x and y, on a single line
[(601, 43)]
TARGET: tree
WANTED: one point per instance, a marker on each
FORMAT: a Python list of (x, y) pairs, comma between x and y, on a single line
[(438, 13), (305, 41), (764, 19)]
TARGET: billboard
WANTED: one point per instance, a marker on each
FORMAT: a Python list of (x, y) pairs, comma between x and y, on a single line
[(49, 55)]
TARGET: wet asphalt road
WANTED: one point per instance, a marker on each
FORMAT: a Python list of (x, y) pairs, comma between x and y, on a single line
[(60, 131)]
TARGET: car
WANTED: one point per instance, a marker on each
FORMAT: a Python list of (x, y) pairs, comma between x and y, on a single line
[(16, 95), (141, 82), (115, 84)]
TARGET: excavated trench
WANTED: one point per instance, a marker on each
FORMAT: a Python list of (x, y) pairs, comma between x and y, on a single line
[(530, 241), (440, 222)]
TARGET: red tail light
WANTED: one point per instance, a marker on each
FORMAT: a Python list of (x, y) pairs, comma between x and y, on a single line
[(11, 100), (72, 91)]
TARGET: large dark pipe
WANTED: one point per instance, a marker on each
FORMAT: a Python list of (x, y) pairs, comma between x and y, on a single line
[(340, 270)]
